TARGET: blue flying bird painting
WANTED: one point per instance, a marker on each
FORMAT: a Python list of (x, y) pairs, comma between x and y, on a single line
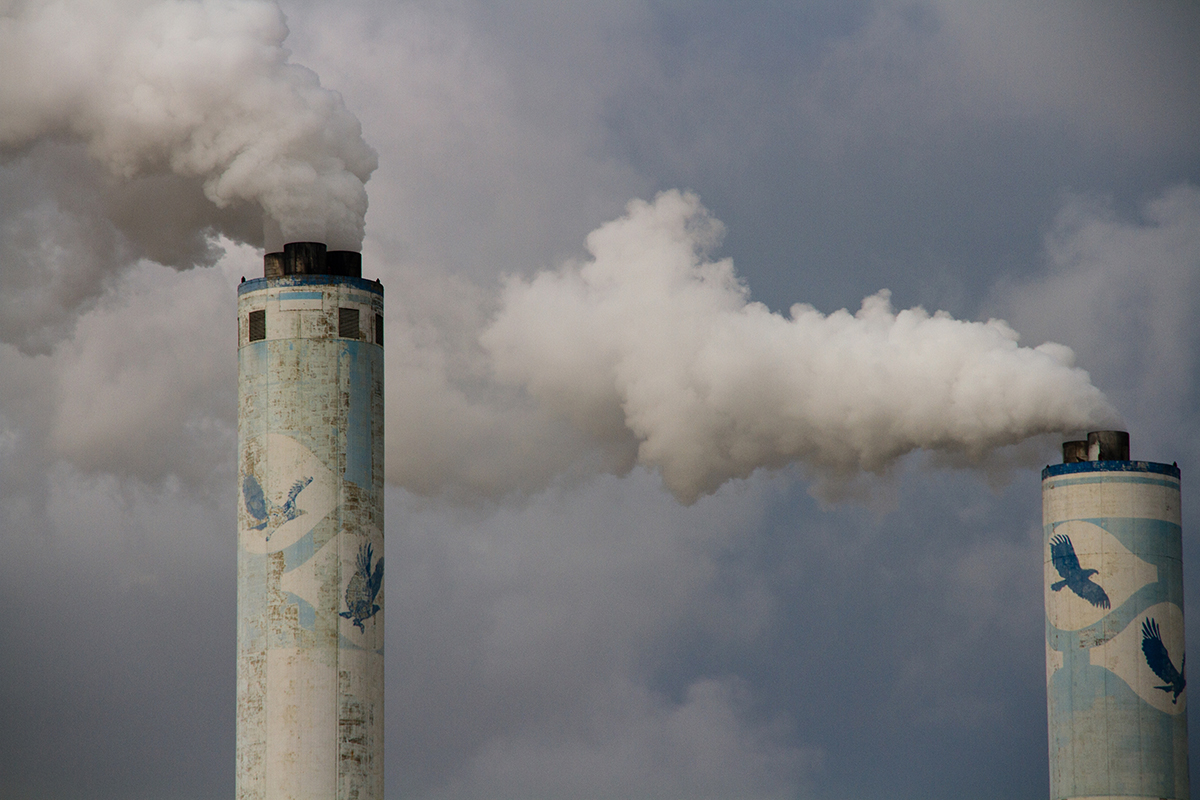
[(1159, 660), (268, 514), (1075, 578), (363, 587)]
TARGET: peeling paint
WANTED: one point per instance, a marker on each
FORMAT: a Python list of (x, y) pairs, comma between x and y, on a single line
[(310, 506), (1113, 573)]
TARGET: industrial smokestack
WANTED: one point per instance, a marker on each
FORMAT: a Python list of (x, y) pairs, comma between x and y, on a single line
[(1115, 688), (310, 528), (1075, 451), (312, 258), (344, 262), (1108, 446)]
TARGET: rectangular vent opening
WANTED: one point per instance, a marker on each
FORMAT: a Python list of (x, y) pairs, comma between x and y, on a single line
[(348, 323), (257, 326), (379, 329)]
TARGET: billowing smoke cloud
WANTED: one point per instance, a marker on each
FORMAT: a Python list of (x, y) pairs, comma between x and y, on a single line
[(132, 114), (650, 341), (200, 89), (146, 129)]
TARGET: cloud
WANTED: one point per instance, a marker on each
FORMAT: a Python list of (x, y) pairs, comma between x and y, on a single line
[(144, 392), (1104, 74), (494, 161), (119, 639), (1105, 70), (1122, 290), (640, 746), (597, 633), (539, 651), (145, 385)]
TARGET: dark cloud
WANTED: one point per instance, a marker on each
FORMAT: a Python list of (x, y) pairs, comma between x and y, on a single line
[(595, 637)]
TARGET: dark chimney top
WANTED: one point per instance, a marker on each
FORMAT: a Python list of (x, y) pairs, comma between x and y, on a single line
[(1100, 446), (1075, 451), (312, 258), (1108, 446)]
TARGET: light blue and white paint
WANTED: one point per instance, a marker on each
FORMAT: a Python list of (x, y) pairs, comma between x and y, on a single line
[(1113, 583), (310, 515)]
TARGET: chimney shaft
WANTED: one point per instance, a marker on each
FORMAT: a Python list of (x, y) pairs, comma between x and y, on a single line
[(310, 529), (1113, 588)]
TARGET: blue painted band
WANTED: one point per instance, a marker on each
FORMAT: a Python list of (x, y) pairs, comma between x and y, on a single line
[(256, 284), (1110, 466), (1167, 482), (300, 296)]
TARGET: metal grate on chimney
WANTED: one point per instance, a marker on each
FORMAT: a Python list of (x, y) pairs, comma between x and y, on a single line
[(257, 327), (379, 329), (348, 323)]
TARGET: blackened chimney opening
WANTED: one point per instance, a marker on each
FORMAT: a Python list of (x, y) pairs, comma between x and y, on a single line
[(1099, 446), (1108, 445), (312, 258), (1075, 451)]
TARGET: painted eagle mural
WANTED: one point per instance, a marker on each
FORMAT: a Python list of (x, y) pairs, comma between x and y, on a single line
[(1159, 660), (267, 514), (1074, 577), (363, 587)]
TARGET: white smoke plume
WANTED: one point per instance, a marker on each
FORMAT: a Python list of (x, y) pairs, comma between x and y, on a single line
[(199, 89), (650, 341), (154, 125)]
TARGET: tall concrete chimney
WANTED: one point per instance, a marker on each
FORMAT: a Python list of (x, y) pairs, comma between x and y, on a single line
[(310, 529), (1115, 689)]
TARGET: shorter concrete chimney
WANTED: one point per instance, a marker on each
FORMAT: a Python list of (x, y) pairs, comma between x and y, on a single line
[(1108, 446)]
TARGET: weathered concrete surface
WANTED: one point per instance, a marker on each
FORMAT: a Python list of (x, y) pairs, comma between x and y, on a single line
[(310, 543), (1114, 630)]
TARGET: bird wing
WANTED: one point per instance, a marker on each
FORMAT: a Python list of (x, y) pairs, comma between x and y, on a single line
[(1062, 552), (364, 560), (297, 488), (377, 579), (256, 502), (1156, 653), (1092, 592)]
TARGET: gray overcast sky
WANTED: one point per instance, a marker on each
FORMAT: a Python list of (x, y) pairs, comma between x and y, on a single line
[(560, 625)]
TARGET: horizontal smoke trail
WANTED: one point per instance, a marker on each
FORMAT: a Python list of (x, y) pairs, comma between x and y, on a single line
[(648, 353), (649, 339)]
